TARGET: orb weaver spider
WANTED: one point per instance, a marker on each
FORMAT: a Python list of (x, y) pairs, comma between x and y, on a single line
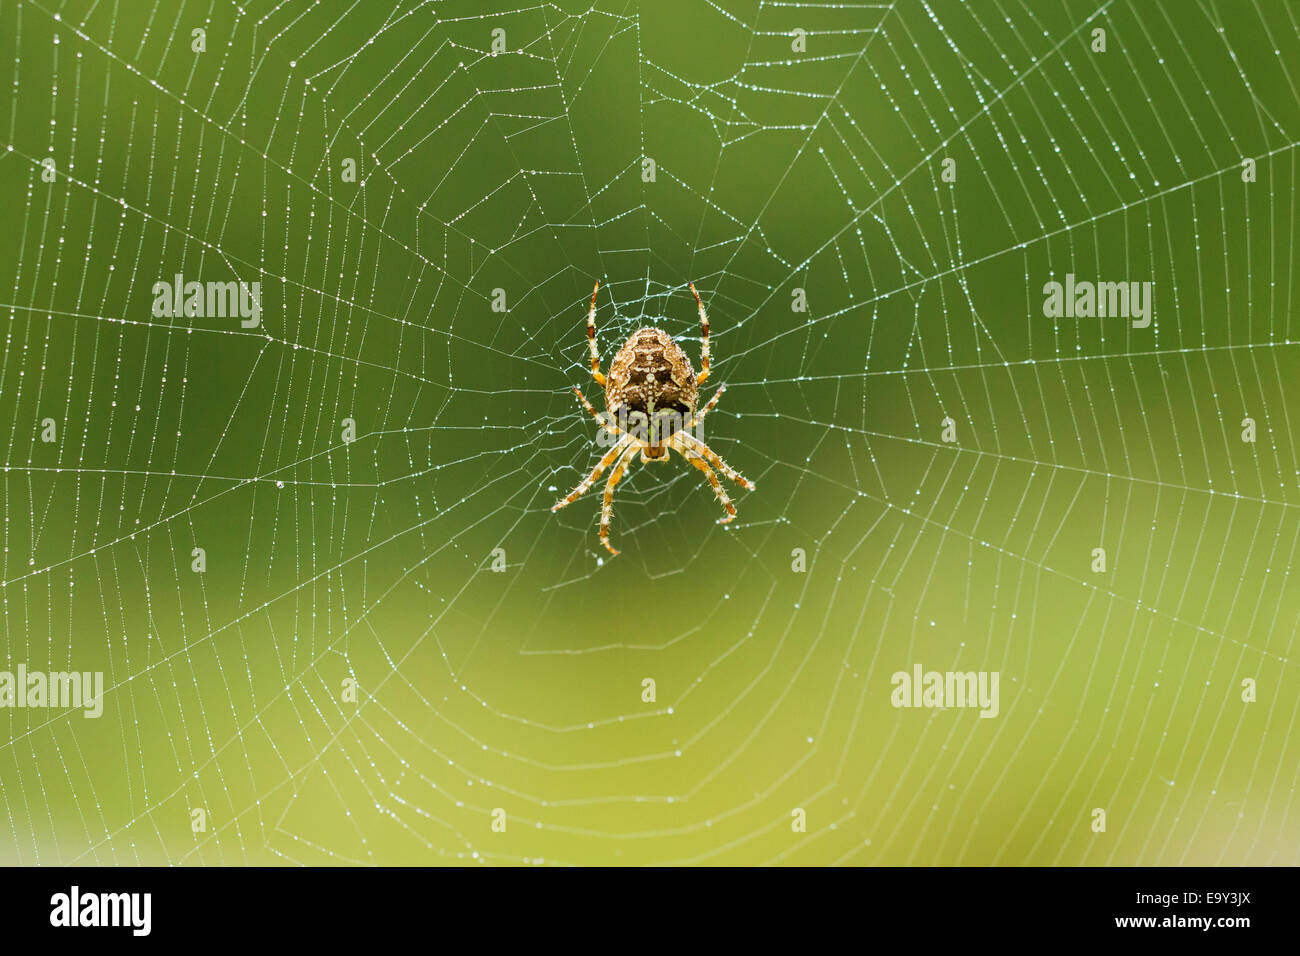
[(651, 380)]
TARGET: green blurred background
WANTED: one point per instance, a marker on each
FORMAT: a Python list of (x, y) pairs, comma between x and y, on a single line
[(775, 169)]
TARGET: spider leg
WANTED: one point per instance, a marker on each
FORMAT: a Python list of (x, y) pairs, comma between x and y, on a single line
[(608, 426), (704, 338), (707, 453), (701, 464), (591, 338), (699, 416), (620, 446), (607, 507)]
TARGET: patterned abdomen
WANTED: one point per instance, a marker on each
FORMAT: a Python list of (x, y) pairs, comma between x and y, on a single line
[(651, 368)]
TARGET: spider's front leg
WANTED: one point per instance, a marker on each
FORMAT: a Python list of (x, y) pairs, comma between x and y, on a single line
[(701, 464), (698, 447), (611, 456), (607, 507)]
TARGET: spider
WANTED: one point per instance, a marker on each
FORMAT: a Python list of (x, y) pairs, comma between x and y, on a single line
[(651, 381)]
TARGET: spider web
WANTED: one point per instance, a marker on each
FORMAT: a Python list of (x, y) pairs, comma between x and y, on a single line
[(499, 655)]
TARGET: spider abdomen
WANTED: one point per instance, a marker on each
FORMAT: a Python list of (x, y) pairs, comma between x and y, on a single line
[(650, 372)]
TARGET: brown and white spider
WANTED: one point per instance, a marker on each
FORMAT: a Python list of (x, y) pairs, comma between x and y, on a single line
[(651, 392)]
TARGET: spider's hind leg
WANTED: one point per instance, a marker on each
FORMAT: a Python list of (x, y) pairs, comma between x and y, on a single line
[(605, 424), (591, 338), (704, 338), (699, 416)]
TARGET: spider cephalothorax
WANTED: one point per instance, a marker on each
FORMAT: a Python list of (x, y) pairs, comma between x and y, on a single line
[(651, 393)]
